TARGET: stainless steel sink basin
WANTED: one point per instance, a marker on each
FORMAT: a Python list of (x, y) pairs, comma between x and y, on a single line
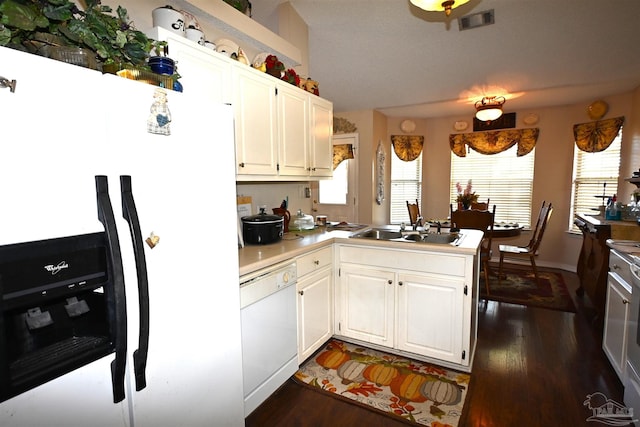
[(440, 238), (443, 238), (378, 234)]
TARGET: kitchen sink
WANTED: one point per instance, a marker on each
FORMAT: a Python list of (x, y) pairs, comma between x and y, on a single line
[(378, 234), (384, 234)]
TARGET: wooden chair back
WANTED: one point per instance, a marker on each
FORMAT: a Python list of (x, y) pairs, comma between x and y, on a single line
[(414, 212), (480, 206), (478, 220), (475, 219), (541, 225)]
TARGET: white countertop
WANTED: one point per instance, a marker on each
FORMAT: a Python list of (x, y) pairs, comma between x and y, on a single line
[(296, 243)]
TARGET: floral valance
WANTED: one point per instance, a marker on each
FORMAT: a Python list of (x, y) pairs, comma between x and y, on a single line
[(596, 136), (407, 147), (493, 142), (341, 152)]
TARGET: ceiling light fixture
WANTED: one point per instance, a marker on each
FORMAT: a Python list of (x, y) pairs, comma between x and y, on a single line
[(438, 5), (490, 108)]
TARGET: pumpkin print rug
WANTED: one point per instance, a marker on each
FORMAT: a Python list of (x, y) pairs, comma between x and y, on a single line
[(417, 392)]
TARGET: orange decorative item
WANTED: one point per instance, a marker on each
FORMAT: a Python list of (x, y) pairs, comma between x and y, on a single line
[(332, 359), (407, 387), (381, 374)]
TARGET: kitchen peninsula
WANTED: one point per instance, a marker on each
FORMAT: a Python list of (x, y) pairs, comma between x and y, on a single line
[(414, 299)]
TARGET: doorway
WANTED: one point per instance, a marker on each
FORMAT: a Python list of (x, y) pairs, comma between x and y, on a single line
[(336, 198)]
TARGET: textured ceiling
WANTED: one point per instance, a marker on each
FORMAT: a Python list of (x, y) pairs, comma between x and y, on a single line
[(391, 56)]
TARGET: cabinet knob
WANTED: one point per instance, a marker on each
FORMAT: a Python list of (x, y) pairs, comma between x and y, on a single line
[(301, 293), (390, 282), (316, 262), (625, 301), (616, 267), (6, 83), (400, 283), (241, 164)]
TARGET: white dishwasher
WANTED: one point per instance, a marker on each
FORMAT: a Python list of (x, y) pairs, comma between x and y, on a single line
[(269, 331)]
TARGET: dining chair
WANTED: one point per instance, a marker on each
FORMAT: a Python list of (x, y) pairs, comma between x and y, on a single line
[(481, 206), (531, 249), (478, 220), (414, 213)]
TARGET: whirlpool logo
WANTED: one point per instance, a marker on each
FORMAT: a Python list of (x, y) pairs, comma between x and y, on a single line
[(55, 269)]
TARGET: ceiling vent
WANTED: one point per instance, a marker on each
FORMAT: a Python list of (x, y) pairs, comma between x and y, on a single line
[(476, 20)]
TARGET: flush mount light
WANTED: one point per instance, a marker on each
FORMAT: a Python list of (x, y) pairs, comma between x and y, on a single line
[(438, 5), (489, 108)]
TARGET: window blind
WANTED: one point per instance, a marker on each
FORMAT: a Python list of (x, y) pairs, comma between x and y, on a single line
[(503, 177), (406, 185), (595, 175)]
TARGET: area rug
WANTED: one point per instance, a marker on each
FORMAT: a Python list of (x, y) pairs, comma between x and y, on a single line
[(409, 390), (520, 287)]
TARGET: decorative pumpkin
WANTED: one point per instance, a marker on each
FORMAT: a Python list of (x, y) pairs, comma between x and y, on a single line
[(351, 372), (332, 359), (407, 387), (441, 392), (380, 373)]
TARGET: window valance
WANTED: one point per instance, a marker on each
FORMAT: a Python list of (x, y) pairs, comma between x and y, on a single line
[(341, 152), (493, 142), (407, 147), (594, 137)]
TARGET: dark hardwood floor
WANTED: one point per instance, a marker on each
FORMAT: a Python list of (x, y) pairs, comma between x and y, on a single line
[(533, 367)]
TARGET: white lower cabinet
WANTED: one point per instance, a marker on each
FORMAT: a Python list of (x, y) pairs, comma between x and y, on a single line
[(367, 299), (617, 308), (424, 303), (315, 301), (430, 315)]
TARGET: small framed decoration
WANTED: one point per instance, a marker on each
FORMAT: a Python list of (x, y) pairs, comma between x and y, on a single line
[(380, 159)]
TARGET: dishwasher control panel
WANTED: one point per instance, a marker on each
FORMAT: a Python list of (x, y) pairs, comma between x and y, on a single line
[(261, 284)]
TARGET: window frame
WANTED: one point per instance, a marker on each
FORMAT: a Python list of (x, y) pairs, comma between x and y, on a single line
[(486, 173), (398, 212), (595, 183)]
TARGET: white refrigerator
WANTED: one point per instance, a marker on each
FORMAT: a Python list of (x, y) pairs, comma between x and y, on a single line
[(63, 126)]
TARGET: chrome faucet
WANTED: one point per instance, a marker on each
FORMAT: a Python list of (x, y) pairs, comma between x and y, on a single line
[(418, 222)]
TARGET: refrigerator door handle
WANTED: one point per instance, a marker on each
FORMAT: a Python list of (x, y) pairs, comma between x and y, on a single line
[(130, 213), (117, 297)]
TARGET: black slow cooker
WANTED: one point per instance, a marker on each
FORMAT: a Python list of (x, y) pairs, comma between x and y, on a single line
[(262, 228)]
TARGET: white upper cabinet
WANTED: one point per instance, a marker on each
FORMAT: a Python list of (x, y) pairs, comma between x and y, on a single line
[(321, 125), (282, 132), (256, 121), (293, 126), (201, 69)]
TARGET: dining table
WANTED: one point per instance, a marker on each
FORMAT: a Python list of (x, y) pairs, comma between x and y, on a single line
[(504, 230)]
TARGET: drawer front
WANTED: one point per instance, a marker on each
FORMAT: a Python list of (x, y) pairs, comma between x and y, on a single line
[(427, 262), (621, 267), (313, 261)]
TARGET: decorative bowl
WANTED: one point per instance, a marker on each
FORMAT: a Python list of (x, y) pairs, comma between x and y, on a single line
[(162, 65)]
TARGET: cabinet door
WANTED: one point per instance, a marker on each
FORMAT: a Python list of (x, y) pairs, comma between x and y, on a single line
[(255, 114), (321, 130), (293, 131), (315, 312), (430, 315), (367, 304), (202, 70), (614, 339)]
